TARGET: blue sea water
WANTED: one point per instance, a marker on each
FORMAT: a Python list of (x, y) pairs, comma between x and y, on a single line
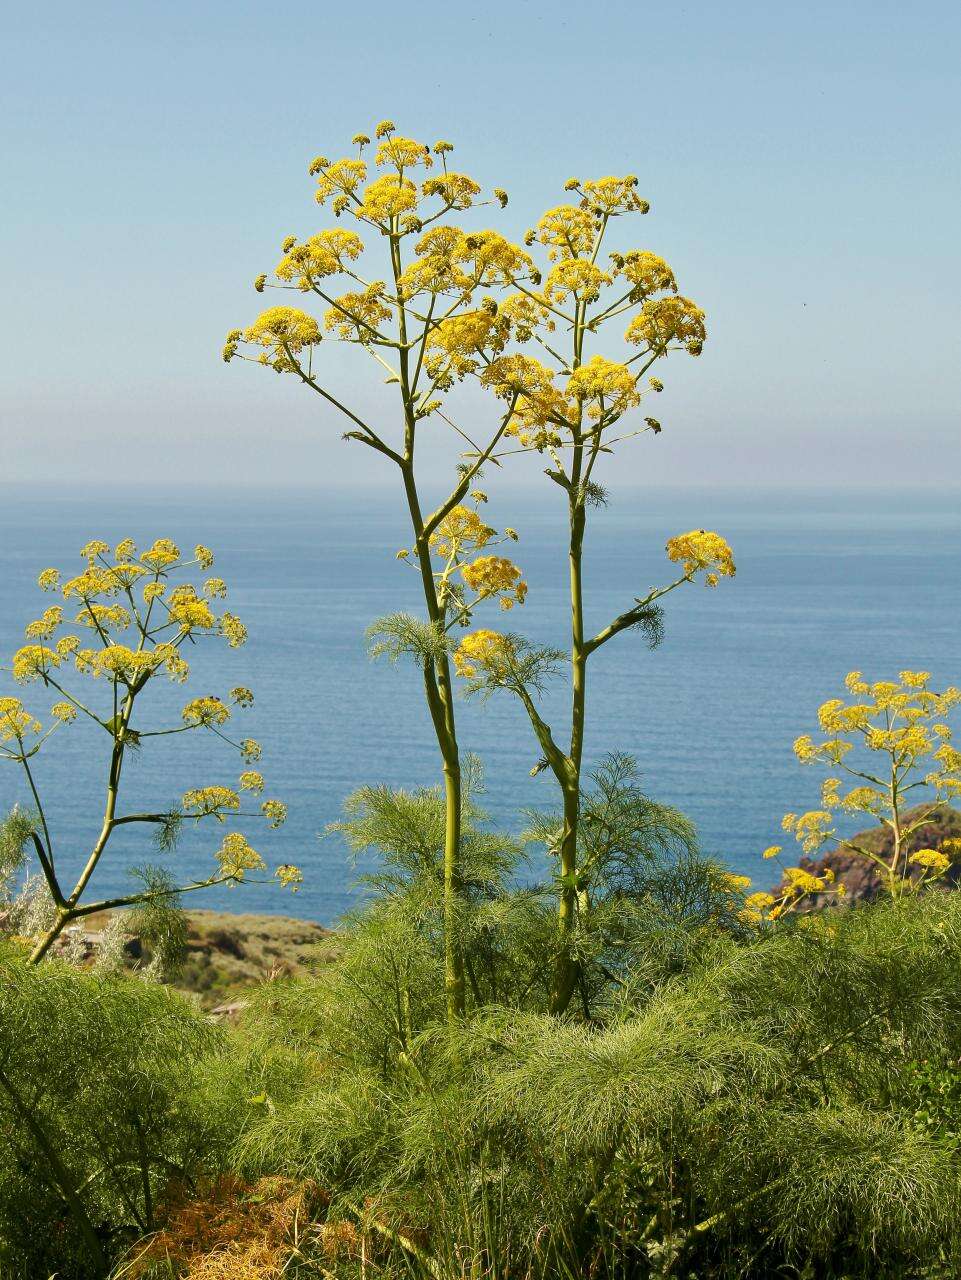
[(826, 583)]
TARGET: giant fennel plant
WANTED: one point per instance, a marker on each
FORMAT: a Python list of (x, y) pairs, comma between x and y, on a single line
[(893, 749), (572, 405), (136, 617), (423, 271), (470, 304)]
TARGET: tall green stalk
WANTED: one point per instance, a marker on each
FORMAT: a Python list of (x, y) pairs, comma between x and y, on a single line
[(413, 327)]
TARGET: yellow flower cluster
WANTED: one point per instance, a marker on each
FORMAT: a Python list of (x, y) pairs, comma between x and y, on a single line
[(540, 407), (44, 627), (608, 388), (207, 802), (233, 629), (482, 651), (402, 153), (236, 857), (449, 260), (702, 549), (102, 617), (663, 322), (810, 829), (94, 581), (931, 860), (191, 611), (566, 231), (324, 254), (357, 314), (577, 276), (15, 721), (289, 877), (282, 329), (457, 190), (613, 195), (275, 811), (462, 529), (161, 555), (205, 711), (34, 661), (495, 576), (901, 719), (648, 273), (387, 197), (339, 180), (465, 337)]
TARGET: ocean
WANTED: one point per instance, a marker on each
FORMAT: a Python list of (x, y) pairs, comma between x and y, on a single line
[(826, 582)]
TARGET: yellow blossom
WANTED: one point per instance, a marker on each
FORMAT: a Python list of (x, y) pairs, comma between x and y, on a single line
[(567, 231), (44, 627), (803, 881), (205, 802), (759, 901), (33, 661), (613, 195), (457, 190), (577, 276), (357, 315), (663, 322), (339, 179), (162, 554), (932, 859), (387, 197), (192, 612), (275, 811), (495, 575), (702, 549), (94, 581), (485, 650), (647, 272), (289, 876), (324, 254), (205, 711), (282, 329), (15, 722), (96, 547), (233, 629), (101, 617), (735, 883), (65, 712), (251, 780), (460, 529), (402, 153), (609, 384), (237, 857)]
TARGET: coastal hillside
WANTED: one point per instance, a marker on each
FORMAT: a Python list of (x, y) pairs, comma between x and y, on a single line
[(226, 953)]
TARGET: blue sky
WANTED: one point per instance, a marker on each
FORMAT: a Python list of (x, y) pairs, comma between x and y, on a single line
[(802, 162)]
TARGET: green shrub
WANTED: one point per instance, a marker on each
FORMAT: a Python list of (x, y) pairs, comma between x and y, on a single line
[(100, 1111)]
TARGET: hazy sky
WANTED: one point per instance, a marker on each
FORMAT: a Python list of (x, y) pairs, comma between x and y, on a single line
[(802, 161)]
